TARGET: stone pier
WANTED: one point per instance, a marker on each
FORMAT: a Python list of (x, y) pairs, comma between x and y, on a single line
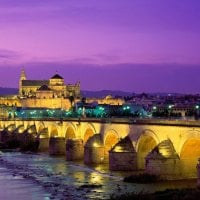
[(123, 157), (43, 144), (94, 150), (74, 149), (57, 146), (163, 161)]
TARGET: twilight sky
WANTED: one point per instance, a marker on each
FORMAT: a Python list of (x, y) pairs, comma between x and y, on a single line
[(130, 45)]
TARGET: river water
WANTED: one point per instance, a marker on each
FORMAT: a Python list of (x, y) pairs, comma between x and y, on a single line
[(42, 177)]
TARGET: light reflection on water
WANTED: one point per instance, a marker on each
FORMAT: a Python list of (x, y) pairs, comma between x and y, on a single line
[(64, 179)]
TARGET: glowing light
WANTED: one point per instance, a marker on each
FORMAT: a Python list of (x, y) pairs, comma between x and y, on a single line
[(30, 131), (165, 152), (118, 149), (20, 131), (95, 145), (9, 129), (126, 107), (154, 107), (42, 136), (197, 106), (96, 178)]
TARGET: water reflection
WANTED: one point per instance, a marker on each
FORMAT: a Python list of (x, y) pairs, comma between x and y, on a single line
[(73, 180), (95, 178)]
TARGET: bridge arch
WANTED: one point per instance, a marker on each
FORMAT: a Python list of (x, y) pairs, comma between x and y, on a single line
[(42, 131), (145, 144), (189, 154), (89, 131), (185, 136), (39, 126), (70, 133), (31, 129), (1, 125), (10, 128), (54, 131), (20, 129), (111, 138)]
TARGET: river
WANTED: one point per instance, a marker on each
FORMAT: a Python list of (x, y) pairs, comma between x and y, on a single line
[(42, 177)]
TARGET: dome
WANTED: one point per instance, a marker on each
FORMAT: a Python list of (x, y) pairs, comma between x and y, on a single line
[(56, 76), (44, 88), (108, 97)]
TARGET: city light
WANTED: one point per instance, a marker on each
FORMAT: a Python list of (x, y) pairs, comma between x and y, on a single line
[(154, 107)]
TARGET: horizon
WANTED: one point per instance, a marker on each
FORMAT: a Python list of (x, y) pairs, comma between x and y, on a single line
[(120, 91), (131, 46)]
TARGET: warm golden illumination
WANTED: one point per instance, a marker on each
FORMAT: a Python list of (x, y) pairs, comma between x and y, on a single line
[(54, 132), (164, 152), (30, 131), (95, 145), (9, 129), (42, 136), (88, 133), (189, 156), (95, 178), (70, 134), (20, 131), (118, 149), (110, 141), (146, 144)]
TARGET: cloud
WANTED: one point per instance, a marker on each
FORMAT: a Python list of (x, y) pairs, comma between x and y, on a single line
[(108, 58), (8, 54)]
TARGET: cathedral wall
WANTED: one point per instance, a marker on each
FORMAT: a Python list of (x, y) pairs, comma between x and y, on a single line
[(10, 102), (28, 90), (52, 103), (48, 94)]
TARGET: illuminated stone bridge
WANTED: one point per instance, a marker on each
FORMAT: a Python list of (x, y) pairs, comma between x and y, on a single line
[(169, 148)]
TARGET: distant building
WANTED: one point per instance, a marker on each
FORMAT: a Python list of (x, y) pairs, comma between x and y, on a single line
[(107, 100), (55, 87), (52, 93)]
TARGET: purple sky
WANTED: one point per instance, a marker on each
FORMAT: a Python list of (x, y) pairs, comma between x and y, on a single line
[(131, 45)]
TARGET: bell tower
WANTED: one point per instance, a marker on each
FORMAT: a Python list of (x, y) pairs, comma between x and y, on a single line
[(22, 77)]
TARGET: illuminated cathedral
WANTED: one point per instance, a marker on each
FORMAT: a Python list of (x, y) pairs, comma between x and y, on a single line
[(52, 93), (55, 87)]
